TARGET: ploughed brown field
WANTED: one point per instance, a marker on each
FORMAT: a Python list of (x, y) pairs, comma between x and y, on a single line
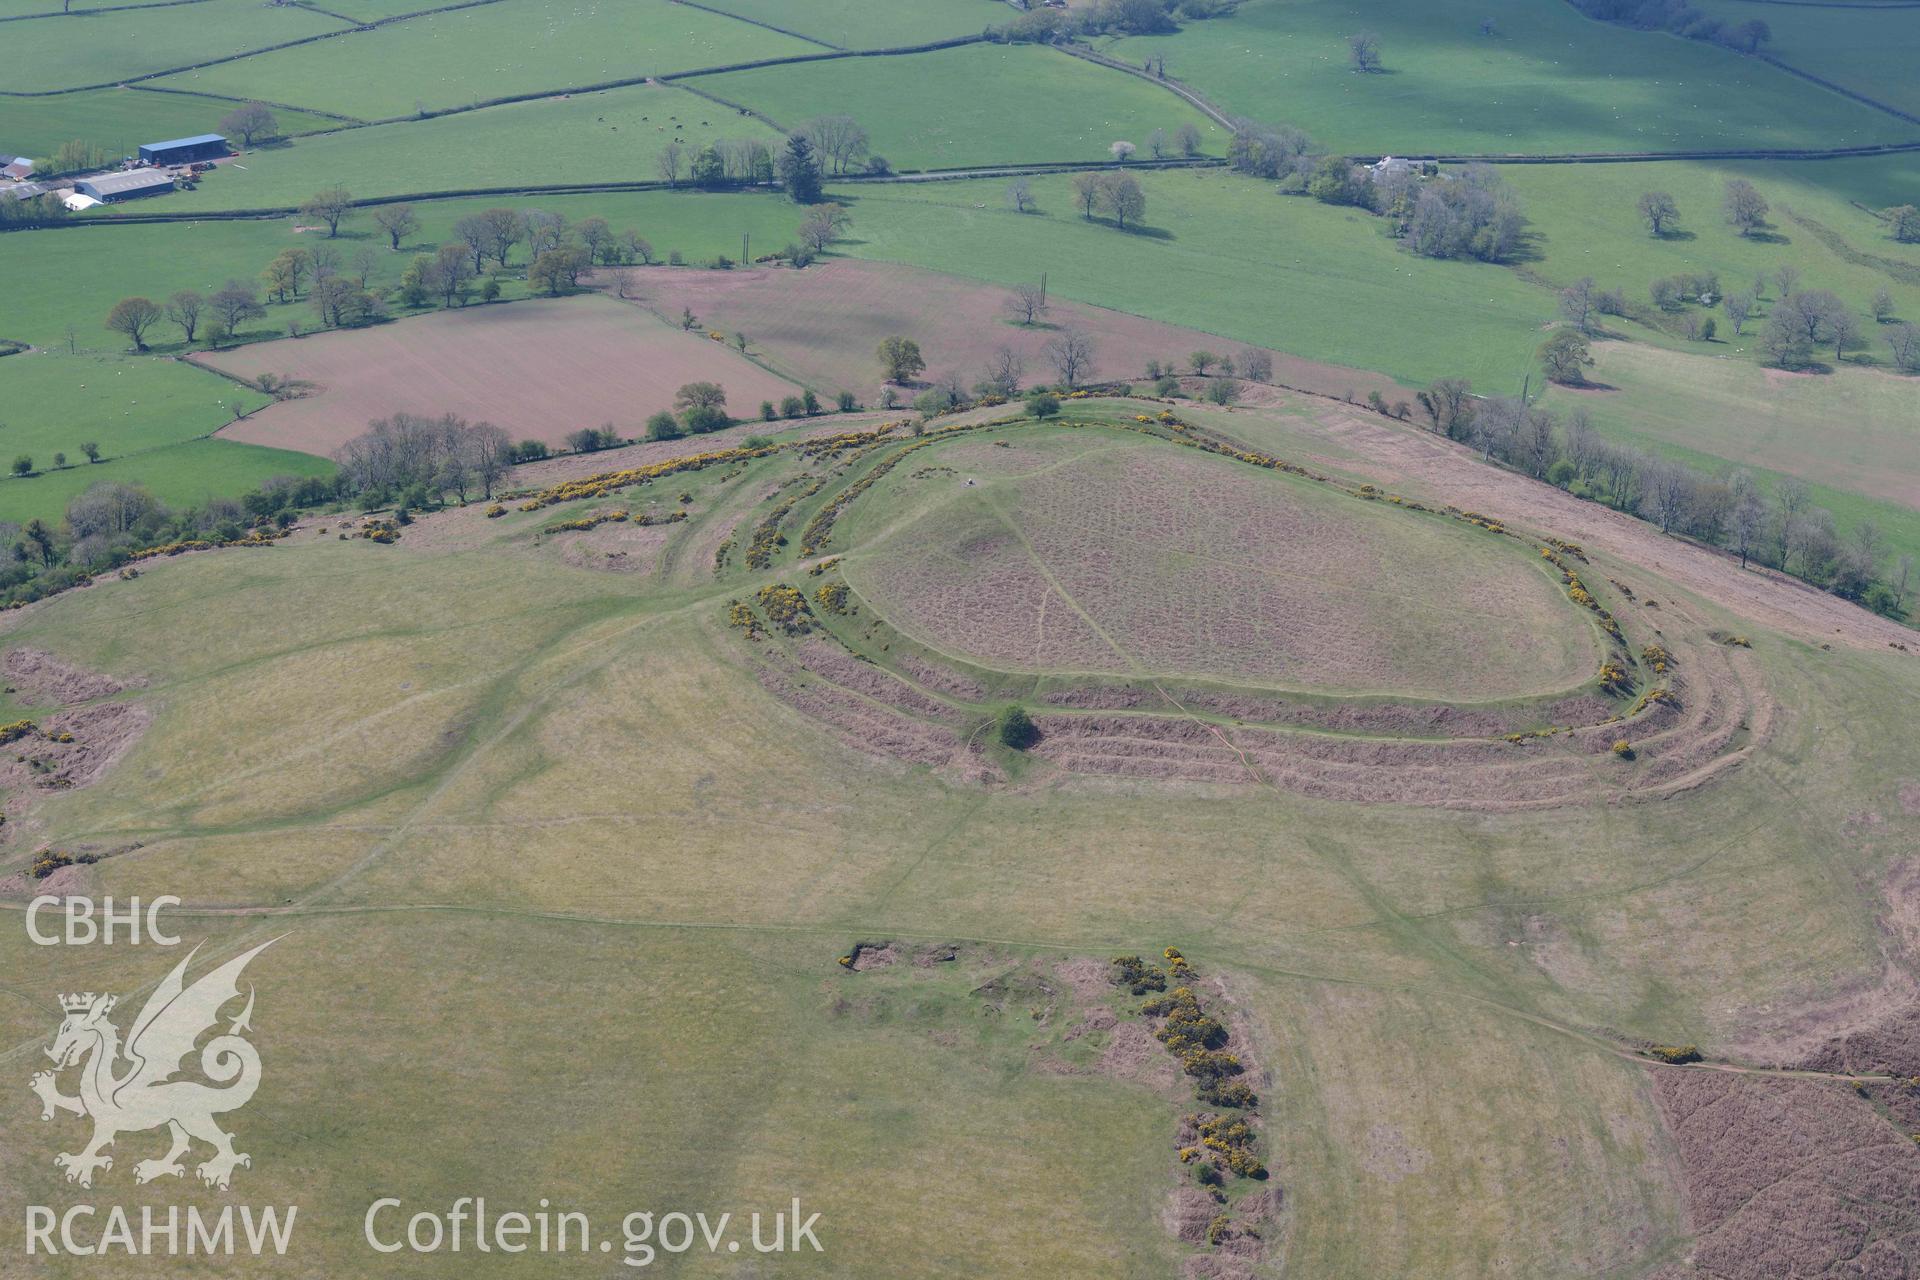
[(824, 323), (537, 369)]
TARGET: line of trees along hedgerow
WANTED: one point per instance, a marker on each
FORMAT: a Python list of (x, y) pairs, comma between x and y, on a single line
[(1781, 528), (341, 290)]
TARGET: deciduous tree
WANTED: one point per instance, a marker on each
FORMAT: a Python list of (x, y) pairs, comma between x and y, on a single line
[(1027, 304), (135, 317), (1566, 357), (900, 359), (1744, 206), (253, 121), (184, 309), (1363, 51), (233, 304), (330, 206), (1121, 197), (398, 221), (1071, 355), (1660, 211)]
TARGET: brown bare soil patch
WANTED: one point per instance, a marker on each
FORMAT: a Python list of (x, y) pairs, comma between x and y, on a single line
[(539, 369), (1133, 1054), (1789, 1178), (41, 678), (821, 326)]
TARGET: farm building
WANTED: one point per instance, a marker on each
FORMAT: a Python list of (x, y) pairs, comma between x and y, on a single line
[(108, 188), (18, 168), (205, 146)]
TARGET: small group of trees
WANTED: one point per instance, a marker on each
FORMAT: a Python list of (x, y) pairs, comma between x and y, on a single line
[(841, 144), (1801, 324), (1114, 194), (23, 463), (1069, 353), (1045, 24), (722, 163), (412, 457), (104, 525), (698, 407), (1475, 215), (1682, 19), (1471, 212), (1782, 529), (1184, 141), (214, 317)]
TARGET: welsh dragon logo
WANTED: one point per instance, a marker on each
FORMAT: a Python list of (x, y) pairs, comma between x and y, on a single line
[(146, 1094)]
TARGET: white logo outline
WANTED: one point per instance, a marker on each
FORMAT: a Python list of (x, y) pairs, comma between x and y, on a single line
[(147, 1095)]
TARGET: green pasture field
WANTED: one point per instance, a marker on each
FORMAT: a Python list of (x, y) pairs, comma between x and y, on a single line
[(859, 24), (376, 10), (1854, 429), (75, 275), (51, 8), (977, 104), (1549, 80), (1867, 50), (611, 136), (121, 119), (1586, 221), (180, 475), (455, 59), (122, 403), (1226, 255), (106, 48), (448, 824), (1850, 435)]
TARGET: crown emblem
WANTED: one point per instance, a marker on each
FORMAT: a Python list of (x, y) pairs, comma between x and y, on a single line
[(80, 1003)]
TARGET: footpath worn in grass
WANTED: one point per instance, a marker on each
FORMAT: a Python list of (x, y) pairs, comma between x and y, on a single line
[(1547, 80), (978, 104), (469, 55)]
